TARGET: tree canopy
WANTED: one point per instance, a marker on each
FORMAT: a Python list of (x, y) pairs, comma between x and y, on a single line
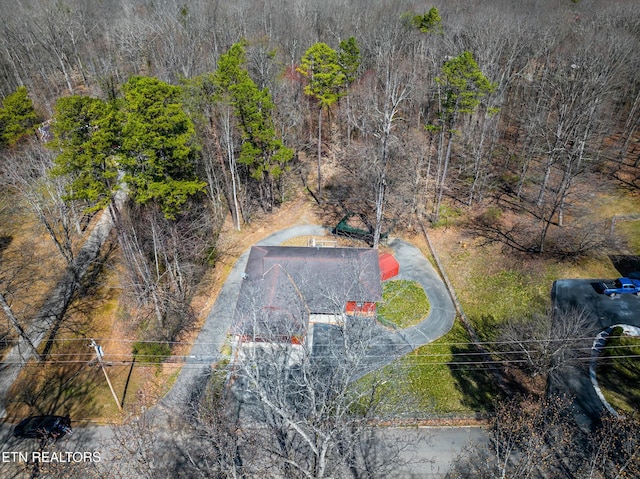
[(158, 145), (87, 136), (262, 151), (430, 22), (146, 137), (349, 59), (321, 65), (464, 84), (18, 118)]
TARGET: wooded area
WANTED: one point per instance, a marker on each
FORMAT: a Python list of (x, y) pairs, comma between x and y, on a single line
[(515, 113), (492, 101)]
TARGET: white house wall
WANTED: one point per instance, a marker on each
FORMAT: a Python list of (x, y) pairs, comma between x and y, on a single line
[(326, 318)]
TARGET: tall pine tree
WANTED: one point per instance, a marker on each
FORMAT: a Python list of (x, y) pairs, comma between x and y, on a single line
[(158, 145), (262, 151), (17, 117), (463, 85), (87, 135), (326, 80)]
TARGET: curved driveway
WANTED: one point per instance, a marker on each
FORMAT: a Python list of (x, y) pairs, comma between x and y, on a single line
[(390, 345), (206, 351), (414, 266)]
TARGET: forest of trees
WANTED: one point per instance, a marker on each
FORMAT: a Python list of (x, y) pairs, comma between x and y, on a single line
[(400, 112), (409, 106)]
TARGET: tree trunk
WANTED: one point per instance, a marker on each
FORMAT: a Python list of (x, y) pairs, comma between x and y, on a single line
[(16, 325), (630, 127), (477, 164), (319, 155), (382, 184), (445, 167)]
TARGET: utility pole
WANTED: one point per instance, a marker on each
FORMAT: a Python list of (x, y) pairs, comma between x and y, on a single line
[(99, 356)]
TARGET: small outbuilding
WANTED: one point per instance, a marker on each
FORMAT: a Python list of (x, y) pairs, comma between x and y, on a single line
[(389, 266)]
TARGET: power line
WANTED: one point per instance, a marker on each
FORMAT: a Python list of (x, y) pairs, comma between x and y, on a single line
[(374, 343), (394, 346), (410, 354), (194, 360)]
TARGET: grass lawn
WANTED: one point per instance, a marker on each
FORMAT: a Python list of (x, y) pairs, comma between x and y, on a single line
[(404, 303), (619, 373), (493, 288), (631, 231), (445, 377), (442, 378)]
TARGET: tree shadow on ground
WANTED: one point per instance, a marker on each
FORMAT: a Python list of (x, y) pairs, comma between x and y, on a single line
[(618, 382), (627, 265), (82, 303), (5, 241), (473, 378), (56, 389), (618, 371)]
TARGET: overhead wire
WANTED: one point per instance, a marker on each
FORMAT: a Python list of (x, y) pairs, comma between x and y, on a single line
[(200, 360), (497, 348), (373, 343)]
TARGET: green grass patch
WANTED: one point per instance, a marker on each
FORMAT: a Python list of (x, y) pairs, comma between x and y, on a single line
[(630, 230), (150, 351), (404, 303), (619, 373), (442, 378), (448, 216), (493, 298), (490, 296)]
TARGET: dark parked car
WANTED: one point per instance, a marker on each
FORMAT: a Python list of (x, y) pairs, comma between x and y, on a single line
[(43, 427)]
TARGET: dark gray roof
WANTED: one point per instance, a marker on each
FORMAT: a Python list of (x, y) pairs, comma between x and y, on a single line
[(291, 282)]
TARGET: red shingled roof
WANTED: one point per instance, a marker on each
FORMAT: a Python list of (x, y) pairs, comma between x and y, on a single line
[(389, 267)]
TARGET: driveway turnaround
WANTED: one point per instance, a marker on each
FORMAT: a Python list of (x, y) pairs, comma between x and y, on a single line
[(389, 345), (206, 350), (582, 294), (415, 267)]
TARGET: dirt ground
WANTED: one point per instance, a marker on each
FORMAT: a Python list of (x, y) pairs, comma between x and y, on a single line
[(82, 389), (102, 316)]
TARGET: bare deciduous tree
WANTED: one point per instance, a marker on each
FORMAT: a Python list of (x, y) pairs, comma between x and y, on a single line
[(528, 439), (545, 344), (613, 450), (164, 259), (27, 171), (301, 385)]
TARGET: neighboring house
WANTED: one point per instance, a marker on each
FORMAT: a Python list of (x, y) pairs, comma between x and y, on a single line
[(287, 288)]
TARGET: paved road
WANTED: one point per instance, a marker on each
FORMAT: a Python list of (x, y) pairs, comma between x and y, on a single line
[(424, 453), (435, 449), (415, 267)]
